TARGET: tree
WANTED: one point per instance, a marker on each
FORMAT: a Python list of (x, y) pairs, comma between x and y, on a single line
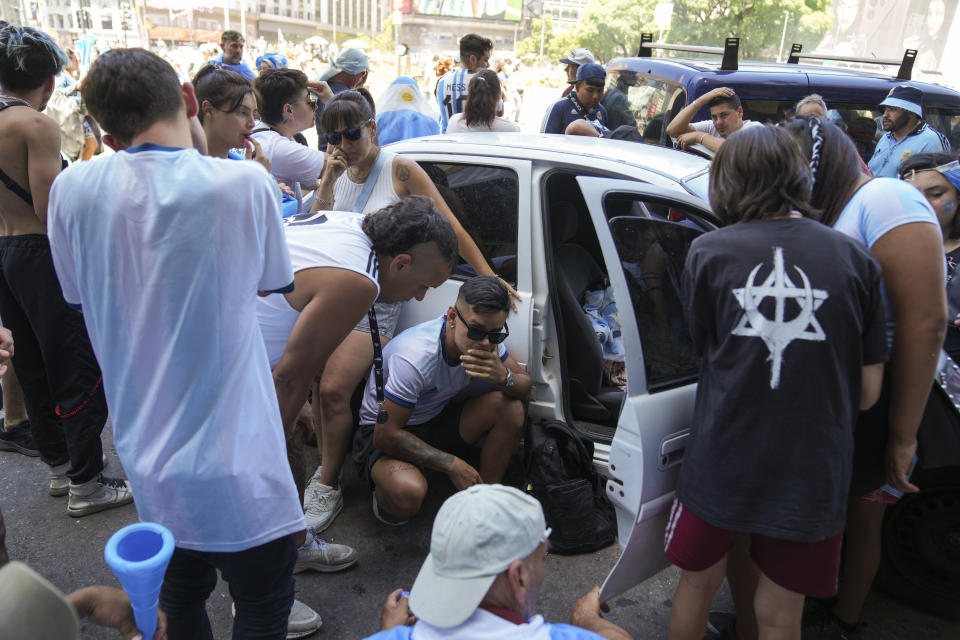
[(612, 28), (758, 24), (384, 40), (556, 43)]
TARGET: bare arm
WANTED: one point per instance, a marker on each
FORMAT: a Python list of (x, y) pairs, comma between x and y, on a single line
[(332, 301), (43, 161), (681, 122), (486, 365), (911, 257), (394, 440), (870, 385), (110, 607)]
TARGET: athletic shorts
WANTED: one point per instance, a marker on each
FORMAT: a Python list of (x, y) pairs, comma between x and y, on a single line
[(442, 432), (809, 568), (388, 314)]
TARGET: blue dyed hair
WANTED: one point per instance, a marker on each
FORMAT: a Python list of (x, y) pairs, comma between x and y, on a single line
[(28, 58)]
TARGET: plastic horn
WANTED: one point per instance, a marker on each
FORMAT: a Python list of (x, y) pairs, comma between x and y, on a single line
[(139, 554)]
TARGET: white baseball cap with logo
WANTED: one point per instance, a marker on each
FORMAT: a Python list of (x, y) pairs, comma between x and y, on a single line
[(477, 534), (579, 56)]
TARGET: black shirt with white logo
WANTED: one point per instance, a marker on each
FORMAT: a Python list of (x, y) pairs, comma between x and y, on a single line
[(784, 313)]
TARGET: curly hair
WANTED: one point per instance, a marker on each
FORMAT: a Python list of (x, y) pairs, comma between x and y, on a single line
[(400, 226)]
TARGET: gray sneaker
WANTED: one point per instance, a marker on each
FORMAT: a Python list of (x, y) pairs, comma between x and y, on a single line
[(321, 504), (302, 621), (98, 494), (59, 482), (320, 555)]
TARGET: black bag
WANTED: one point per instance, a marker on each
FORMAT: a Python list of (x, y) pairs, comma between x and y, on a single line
[(559, 473)]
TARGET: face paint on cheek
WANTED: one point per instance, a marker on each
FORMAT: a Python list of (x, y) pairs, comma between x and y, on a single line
[(949, 207)]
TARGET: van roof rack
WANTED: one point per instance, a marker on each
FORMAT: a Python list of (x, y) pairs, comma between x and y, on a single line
[(729, 50), (904, 72)]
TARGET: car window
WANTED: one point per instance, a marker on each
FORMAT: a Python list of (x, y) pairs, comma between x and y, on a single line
[(652, 254), (654, 102), (485, 199)]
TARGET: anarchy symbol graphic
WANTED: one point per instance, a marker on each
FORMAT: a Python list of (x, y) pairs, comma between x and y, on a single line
[(778, 332)]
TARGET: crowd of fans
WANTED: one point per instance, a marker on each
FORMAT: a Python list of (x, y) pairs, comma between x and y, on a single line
[(192, 268)]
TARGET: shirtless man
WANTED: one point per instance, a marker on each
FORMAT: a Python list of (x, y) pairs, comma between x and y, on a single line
[(54, 361)]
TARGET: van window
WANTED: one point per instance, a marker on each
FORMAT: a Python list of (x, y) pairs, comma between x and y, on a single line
[(486, 201), (654, 102)]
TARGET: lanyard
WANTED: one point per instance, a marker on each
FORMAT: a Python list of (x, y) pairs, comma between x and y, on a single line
[(572, 96), (377, 364)]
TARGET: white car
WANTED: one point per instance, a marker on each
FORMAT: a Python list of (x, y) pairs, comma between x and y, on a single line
[(562, 215)]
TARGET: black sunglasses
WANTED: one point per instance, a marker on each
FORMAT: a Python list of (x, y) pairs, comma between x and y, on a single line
[(478, 334), (352, 134)]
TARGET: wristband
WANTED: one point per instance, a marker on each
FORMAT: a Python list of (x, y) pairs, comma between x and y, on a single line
[(702, 137)]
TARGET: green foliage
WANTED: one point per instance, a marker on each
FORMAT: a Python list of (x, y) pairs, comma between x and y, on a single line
[(384, 40), (556, 43), (758, 24), (612, 28)]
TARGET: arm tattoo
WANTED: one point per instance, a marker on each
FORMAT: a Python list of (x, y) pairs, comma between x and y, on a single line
[(410, 448), (403, 173)]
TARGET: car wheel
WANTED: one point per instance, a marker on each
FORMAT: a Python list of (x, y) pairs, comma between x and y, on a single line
[(921, 549)]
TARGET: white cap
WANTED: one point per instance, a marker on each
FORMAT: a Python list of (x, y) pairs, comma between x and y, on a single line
[(477, 534), (31, 607), (579, 56)]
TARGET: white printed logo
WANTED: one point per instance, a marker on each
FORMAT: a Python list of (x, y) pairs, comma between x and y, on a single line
[(778, 332)]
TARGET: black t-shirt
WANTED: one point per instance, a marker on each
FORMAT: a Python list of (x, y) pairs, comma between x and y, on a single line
[(784, 313)]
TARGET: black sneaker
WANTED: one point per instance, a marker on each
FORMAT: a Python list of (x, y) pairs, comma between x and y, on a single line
[(19, 439)]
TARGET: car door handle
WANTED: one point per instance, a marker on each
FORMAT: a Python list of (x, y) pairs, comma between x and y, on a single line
[(672, 448)]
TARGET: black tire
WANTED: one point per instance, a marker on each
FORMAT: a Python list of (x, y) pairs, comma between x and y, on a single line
[(920, 565)]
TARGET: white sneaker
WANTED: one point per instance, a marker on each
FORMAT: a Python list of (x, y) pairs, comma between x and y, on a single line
[(320, 555), (321, 503), (98, 494), (302, 621), (59, 482)]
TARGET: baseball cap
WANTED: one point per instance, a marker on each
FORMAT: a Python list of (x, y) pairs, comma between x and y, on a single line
[(352, 61), (579, 56), (31, 607), (590, 70), (476, 535), (905, 97)]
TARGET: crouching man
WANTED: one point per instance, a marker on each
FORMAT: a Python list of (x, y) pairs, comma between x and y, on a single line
[(419, 425)]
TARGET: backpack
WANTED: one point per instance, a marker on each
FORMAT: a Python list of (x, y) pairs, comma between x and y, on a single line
[(559, 472), (66, 111)]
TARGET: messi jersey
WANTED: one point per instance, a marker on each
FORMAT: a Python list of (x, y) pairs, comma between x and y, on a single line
[(452, 94)]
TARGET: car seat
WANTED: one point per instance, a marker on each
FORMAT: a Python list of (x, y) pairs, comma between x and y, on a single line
[(577, 272)]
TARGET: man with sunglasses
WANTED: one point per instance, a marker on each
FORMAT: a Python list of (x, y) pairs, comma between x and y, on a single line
[(424, 421)]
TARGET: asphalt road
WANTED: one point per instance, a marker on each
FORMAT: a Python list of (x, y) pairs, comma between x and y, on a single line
[(69, 552)]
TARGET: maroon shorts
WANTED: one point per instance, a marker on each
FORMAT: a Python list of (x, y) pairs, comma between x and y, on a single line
[(809, 568)]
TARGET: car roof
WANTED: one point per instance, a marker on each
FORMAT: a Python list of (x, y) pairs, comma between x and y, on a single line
[(561, 148), (835, 83)]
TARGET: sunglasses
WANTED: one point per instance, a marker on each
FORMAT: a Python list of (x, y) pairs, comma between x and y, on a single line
[(477, 334), (352, 134), (312, 100)]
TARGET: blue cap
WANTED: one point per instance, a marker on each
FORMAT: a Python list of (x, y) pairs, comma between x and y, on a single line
[(905, 97), (590, 70), (272, 60), (352, 61)]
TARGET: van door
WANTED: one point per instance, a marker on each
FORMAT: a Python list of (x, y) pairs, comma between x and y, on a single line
[(645, 233)]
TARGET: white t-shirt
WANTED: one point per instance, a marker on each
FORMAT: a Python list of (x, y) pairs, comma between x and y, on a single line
[(346, 191), (416, 373), (501, 125), (165, 250), (706, 126), (315, 240), (292, 162)]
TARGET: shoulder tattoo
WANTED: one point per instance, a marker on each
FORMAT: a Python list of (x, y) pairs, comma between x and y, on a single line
[(403, 172)]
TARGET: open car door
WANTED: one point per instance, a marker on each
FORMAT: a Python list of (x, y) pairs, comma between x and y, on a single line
[(645, 233)]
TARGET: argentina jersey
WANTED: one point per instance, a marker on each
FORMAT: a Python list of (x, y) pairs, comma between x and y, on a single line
[(451, 94)]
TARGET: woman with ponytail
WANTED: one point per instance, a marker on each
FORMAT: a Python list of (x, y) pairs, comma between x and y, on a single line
[(484, 100)]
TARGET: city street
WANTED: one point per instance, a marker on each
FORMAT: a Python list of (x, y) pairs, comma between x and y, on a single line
[(69, 552)]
